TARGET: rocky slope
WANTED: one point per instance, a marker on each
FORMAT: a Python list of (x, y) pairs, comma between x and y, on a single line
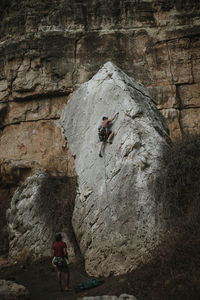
[(48, 48)]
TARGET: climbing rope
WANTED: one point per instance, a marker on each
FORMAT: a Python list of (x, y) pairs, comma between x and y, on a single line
[(106, 191), (106, 186)]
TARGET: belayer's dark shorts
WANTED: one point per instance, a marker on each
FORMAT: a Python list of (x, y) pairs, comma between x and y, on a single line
[(64, 268), (60, 263)]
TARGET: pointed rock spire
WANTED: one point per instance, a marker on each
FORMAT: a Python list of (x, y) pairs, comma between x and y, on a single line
[(115, 219)]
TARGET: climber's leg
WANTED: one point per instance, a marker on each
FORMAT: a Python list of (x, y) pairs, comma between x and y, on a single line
[(110, 137), (101, 149)]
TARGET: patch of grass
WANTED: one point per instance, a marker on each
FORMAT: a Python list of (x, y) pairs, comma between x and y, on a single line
[(137, 145)]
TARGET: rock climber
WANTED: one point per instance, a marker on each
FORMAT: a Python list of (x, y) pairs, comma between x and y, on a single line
[(59, 250), (105, 133)]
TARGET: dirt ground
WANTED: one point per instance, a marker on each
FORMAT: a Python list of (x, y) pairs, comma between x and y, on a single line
[(174, 274), (40, 279)]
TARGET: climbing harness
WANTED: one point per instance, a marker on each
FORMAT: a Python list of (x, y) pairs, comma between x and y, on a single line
[(103, 133), (57, 261)]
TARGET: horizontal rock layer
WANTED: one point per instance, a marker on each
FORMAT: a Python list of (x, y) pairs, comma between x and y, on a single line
[(62, 44)]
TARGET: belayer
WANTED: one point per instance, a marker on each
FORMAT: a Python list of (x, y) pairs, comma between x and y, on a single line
[(59, 261), (105, 133)]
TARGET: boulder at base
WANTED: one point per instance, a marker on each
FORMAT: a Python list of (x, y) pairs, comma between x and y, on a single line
[(108, 297), (115, 219), (39, 208), (10, 290)]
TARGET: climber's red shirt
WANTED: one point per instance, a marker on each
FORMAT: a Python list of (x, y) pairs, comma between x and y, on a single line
[(58, 248)]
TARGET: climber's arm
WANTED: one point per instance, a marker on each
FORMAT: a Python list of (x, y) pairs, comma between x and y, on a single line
[(114, 117)]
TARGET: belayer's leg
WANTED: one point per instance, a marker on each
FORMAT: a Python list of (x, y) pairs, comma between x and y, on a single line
[(59, 276), (67, 281)]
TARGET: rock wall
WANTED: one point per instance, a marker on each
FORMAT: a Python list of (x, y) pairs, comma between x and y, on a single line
[(48, 48), (61, 44), (116, 218)]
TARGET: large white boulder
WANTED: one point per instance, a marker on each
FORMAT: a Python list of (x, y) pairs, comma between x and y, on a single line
[(116, 218)]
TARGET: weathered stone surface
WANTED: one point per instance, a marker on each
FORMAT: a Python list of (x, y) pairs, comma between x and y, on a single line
[(10, 290), (189, 95), (6, 194), (115, 219), (29, 147), (63, 43), (121, 297), (48, 48), (165, 97), (41, 207), (190, 121), (173, 117), (30, 141), (36, 110)]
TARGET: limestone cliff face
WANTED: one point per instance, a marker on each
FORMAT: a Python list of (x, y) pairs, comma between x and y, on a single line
[(116, 218), (48, 48)]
